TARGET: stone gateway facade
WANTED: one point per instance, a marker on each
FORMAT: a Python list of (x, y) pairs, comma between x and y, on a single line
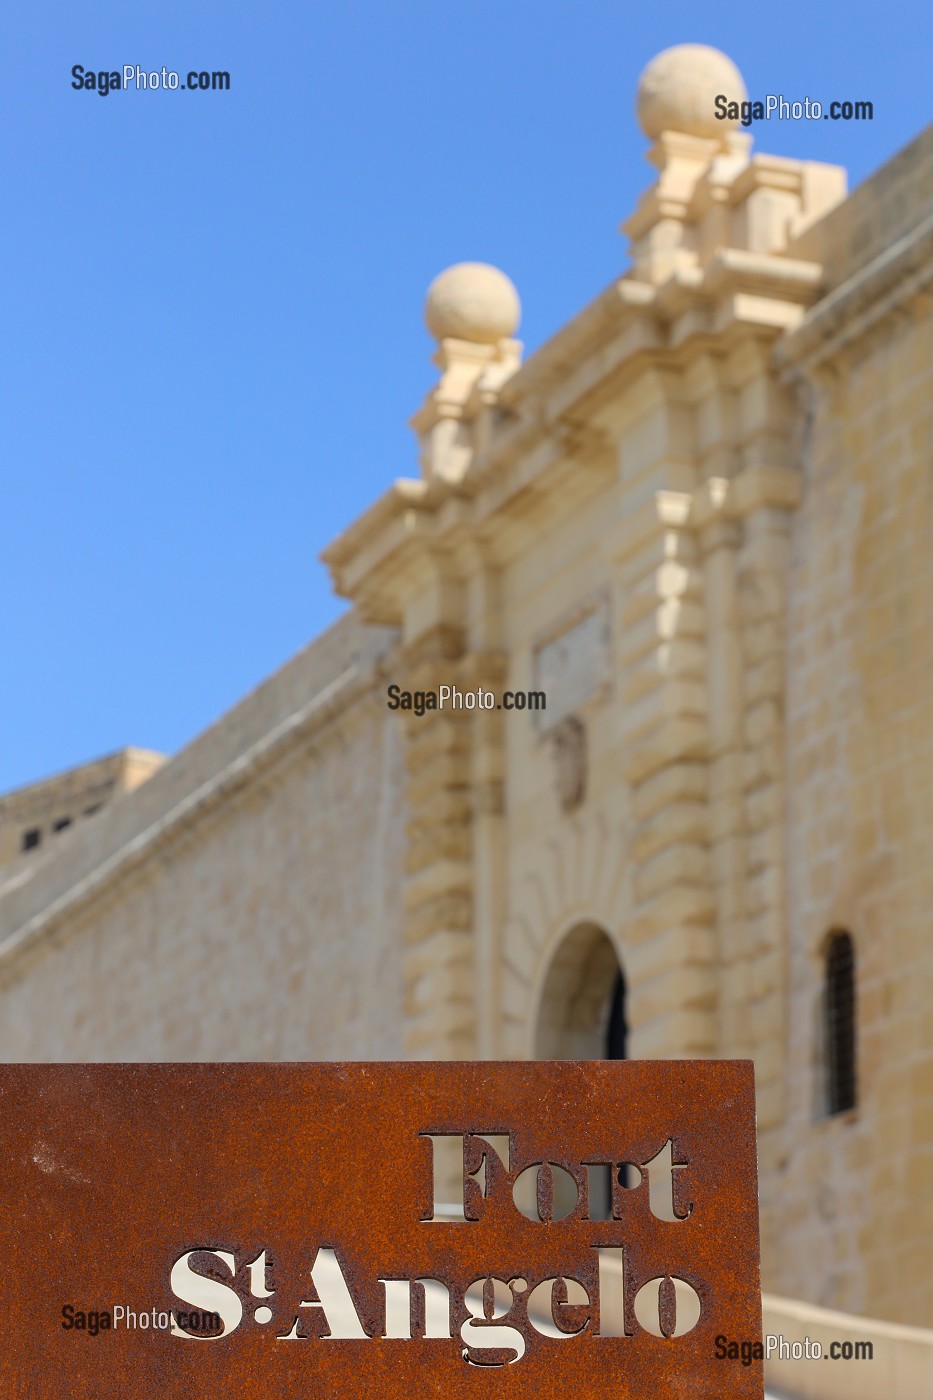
[(699, 522)]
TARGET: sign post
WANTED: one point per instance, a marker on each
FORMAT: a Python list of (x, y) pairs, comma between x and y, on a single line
[(567, 1229)]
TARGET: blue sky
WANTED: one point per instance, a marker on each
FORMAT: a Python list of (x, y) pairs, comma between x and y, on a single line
[(212, 333)]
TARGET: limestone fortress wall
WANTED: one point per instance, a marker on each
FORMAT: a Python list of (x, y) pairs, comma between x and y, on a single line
[(700, 519), (244, 903)]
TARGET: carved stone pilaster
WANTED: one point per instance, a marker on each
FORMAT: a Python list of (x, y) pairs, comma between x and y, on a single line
[(454, 768), (439, 985), (672, 952), (762, 599), (720, 537), (488, 670)]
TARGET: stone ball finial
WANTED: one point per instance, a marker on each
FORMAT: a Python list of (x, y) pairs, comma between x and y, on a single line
[(678, 89), (472, 301)]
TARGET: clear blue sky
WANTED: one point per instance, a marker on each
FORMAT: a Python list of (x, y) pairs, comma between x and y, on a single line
[(212, 334)]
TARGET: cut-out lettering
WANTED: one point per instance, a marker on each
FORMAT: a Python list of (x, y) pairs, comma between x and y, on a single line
[(661, 1189), (612, 1291), (667, 1307), (398, 1307), (208, 1294), (334, 1299), (564, 1299), (436, 1307), (487, 1302), (257, 1277), (450, 1171), (556, 1193)]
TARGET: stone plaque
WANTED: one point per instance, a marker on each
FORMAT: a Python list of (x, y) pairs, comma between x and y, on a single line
[(572, 661), (572, 1229)]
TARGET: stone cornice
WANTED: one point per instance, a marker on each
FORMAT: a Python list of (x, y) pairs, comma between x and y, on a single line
[(887, 285), (592, 326), (548, 410), (718, 499), (736, 270), (753, 489)]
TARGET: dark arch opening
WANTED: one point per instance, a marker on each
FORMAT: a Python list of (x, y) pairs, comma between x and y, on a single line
[(581, 1014), (617, 1029)]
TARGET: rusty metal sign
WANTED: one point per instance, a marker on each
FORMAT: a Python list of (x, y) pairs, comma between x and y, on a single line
[(571, 1229)]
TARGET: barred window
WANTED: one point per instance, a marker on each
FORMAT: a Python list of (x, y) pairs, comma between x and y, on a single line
[(840, 1023)]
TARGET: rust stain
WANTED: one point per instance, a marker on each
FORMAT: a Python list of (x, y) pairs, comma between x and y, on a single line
[(110, 1175)]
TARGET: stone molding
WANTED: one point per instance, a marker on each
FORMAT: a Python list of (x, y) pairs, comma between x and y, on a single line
[(860, 306)]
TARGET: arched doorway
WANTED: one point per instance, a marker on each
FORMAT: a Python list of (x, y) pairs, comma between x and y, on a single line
[(582, 1016), (582, 1009)]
